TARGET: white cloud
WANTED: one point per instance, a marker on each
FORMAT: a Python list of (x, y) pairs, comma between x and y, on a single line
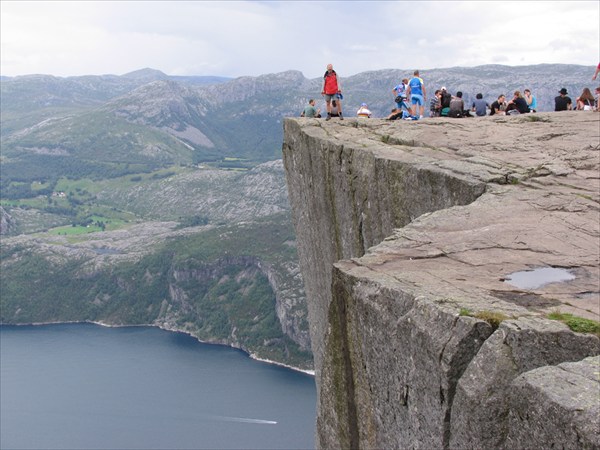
[(236, 38)]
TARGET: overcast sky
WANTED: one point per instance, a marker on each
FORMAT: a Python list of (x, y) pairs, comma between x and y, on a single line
[(237, 38)]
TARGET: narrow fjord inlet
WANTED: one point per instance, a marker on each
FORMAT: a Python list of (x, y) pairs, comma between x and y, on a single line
[(79, 386)]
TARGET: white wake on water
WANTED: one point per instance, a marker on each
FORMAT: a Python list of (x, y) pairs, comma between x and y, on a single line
[(245, 420)]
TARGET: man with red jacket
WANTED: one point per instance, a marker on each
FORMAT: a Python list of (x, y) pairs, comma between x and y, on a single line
[(332, 90)]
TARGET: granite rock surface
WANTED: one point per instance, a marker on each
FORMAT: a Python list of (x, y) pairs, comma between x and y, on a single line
[(409, 234)]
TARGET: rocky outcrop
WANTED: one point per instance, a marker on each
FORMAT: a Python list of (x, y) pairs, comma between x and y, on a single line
[(486, 392), (290, 302), (5, 221), (408, 233), (555, 408)]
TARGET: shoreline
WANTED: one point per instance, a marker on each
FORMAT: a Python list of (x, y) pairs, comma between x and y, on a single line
[(172, 330)]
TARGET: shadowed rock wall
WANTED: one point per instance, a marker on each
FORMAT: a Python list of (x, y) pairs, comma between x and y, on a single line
[(406, 232)]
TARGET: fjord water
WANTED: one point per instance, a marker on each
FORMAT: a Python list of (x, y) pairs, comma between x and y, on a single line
[(83, 386)]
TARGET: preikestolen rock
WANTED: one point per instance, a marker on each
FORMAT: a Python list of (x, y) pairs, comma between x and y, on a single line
[(407, 235)]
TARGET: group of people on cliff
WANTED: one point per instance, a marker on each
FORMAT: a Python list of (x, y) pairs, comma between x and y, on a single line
[(410, 98), (445, 104)]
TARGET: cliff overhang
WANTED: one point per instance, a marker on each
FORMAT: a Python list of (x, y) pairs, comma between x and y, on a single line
[(407, 235)]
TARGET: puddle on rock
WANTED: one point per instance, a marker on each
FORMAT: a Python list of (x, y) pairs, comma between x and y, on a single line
[(534, 279)]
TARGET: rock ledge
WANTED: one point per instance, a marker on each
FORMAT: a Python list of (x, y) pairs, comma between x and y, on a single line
[(408, 232)]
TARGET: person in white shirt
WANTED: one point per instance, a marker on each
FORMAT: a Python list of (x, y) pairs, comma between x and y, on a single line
[(363, 111)]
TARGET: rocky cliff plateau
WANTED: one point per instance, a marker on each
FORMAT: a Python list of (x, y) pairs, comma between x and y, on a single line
[(408, 236)]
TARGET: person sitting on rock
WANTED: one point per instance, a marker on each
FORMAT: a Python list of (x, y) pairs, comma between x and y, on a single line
[(363, 111), (518, 104), (395, 114), (480, 106), (310, 110), (335, 109), (457, 106), (435, 104), (499, 106), (585, 102), (563, 102), (446, 97), (531, 100)]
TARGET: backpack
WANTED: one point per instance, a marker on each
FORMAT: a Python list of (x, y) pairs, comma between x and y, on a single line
[(446, 98)]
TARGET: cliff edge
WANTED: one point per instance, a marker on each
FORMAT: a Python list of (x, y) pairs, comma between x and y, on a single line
[(413, 238)]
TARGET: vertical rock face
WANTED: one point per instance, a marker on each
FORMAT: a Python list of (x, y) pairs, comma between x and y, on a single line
[(346, 199), (406, 233), (397, 358)]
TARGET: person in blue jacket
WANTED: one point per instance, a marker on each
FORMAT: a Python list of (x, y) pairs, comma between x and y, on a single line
[(416, 93)]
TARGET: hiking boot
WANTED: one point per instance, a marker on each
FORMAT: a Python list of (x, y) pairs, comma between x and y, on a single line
[(341, 117)]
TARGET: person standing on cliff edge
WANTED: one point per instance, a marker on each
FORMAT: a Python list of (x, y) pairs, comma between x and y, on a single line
[(416, 93), (332, 89)]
